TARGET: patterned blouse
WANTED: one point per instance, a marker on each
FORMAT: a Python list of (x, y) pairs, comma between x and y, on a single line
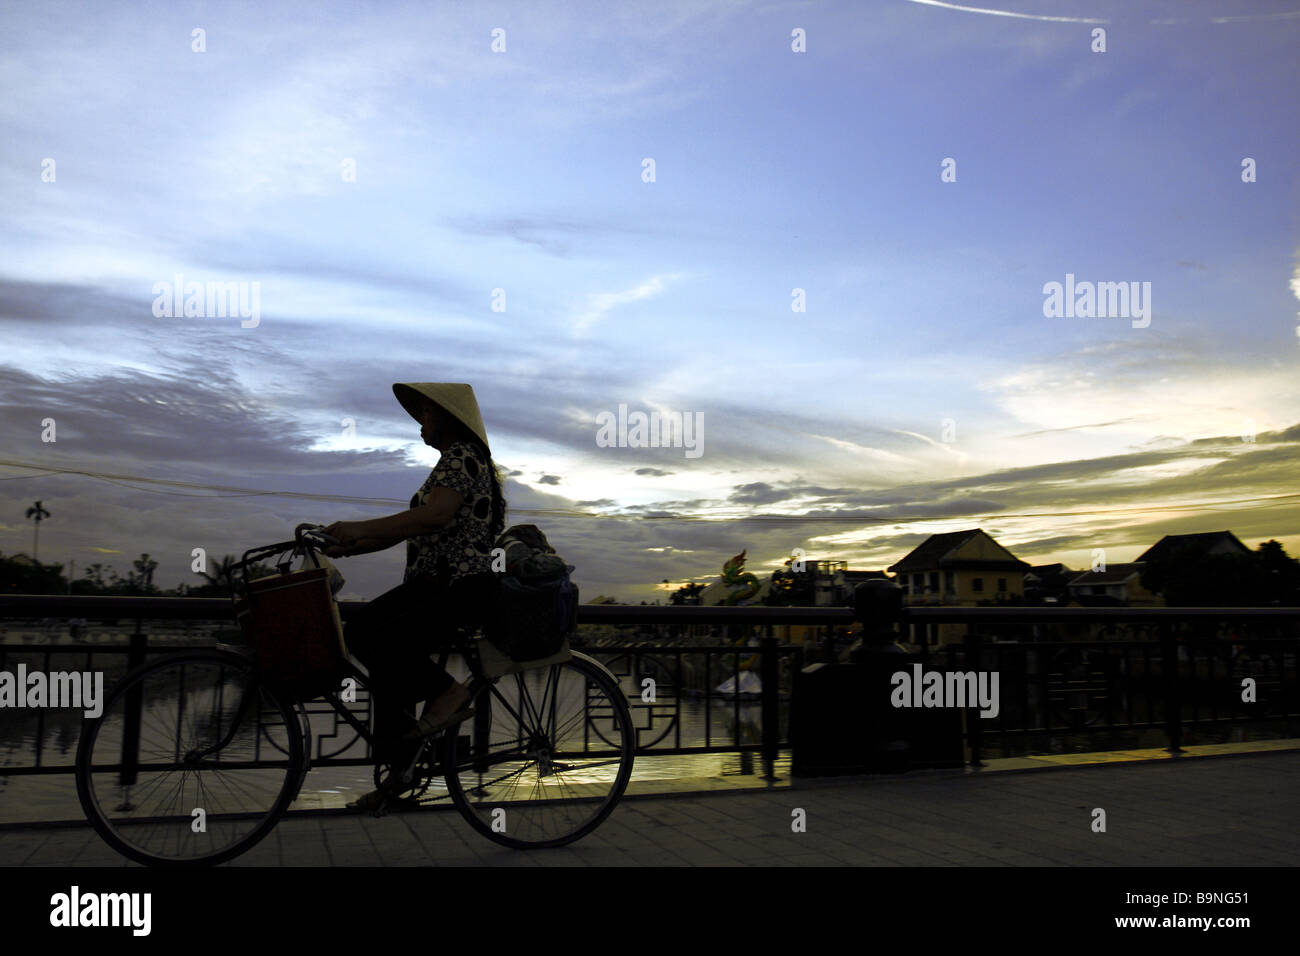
[(463, 546)]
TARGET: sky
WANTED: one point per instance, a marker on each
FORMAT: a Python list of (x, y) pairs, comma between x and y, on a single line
[(824, 231)]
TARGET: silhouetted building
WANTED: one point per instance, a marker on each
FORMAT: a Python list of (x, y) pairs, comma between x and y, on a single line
[(1205, 544), (1048, 584), (1120, 584)]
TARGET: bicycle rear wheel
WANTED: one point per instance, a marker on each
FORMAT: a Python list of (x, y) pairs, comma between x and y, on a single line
[(191, 762), (546, 756)]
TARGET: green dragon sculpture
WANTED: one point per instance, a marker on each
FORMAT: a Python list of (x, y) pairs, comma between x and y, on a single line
[(733, 575)]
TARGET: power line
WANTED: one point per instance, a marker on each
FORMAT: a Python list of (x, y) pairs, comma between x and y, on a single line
[(227, 491), (235, 492)]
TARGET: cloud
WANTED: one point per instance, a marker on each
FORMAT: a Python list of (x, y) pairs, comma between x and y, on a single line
[(869, 452), (1007, 13), (601, 304), (554, 235), (1089, 426), (477, 170)]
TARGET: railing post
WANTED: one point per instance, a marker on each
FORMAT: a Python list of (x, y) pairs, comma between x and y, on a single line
[(770, 676), (886, 743), (1173, 699), (975, 726), (134, 707)]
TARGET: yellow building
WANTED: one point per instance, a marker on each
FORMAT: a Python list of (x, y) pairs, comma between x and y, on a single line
[(957, 569)]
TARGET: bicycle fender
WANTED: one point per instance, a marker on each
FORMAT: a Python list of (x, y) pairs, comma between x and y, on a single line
[(591, 660)]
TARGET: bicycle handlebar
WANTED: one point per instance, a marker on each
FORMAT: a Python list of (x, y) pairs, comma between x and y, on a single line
[(315, 530), (307, 540)]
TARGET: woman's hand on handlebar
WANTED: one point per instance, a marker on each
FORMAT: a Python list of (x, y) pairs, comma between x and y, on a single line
[(347, 534)]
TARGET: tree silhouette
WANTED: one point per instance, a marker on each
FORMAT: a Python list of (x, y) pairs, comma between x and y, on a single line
[(687, 594), (217, 580), (37, 512), (95, 574), (1280, 573), (142, 579)]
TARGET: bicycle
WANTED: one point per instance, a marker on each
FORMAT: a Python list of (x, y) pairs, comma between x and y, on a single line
[(175, 771)]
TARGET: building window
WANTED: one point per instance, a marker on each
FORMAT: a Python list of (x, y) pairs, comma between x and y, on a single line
[(934, 632), (934, 580), (1099, 589), (977, 584), (918, 583), (1002, 585), (947, 581)]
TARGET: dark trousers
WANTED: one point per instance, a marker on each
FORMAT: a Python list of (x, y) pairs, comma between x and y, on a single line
[(395, 634)]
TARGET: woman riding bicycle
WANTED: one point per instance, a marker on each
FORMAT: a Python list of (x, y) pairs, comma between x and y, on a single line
[(449, 528)]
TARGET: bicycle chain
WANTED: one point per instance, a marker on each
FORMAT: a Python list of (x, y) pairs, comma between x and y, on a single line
[(427, 779)]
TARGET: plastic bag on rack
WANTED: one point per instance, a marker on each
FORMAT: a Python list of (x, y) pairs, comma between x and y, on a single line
[(318, 560)]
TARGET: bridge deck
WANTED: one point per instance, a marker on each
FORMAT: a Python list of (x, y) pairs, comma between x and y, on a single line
[(1222, 811)]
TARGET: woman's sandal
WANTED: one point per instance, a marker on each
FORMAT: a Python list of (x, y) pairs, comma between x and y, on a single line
[(385, 798), (389, 793), (427, 726)]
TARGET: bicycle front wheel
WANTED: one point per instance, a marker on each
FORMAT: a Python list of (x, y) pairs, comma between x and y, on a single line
[(546, 756), (191, 762)]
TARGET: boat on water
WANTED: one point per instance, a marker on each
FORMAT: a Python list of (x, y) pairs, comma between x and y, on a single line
[(749, 685)]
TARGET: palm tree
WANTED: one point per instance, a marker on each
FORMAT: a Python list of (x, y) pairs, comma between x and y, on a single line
[(220, 574), (144, 567), (37, 512), (217, 580), (95, 574)]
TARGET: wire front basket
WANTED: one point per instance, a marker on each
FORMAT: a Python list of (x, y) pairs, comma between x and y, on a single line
[(291, 617)]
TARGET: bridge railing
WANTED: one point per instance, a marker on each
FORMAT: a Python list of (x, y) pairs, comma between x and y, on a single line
[(1139, 669), (681, 712)]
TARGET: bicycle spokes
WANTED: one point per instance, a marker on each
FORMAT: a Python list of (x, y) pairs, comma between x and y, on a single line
[(536, 765), (190, 758)]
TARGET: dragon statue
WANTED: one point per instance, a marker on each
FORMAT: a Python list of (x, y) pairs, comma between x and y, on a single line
[(735, 575)]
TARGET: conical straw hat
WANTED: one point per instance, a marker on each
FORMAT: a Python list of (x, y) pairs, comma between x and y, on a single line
[(454, 398)]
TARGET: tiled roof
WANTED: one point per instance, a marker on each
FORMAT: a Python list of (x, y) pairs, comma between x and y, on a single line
[(1114, 574), (930, 555), (927, 554), (1202, 542)]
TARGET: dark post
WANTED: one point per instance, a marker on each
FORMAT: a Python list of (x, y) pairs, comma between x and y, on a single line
[(974, 724), (1173, 700), (481, 741), (796, 668), (770, 676), (879, 605), (134, 707)]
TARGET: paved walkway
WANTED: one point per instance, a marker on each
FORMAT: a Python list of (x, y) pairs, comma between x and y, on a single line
[(1217, 811)]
